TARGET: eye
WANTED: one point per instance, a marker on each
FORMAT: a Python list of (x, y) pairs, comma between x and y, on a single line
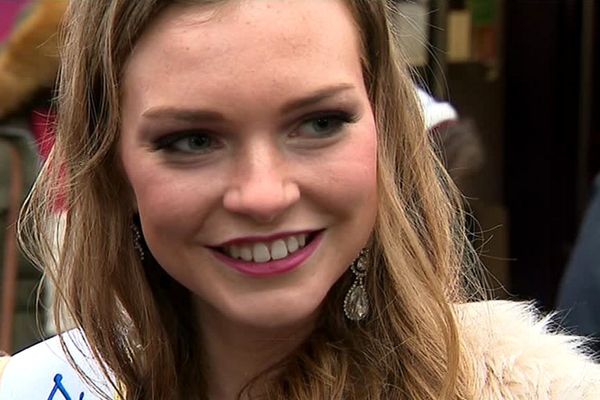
[(324, 125), (187, 143)]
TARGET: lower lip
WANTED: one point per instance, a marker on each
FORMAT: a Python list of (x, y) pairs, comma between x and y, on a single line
[(275, 267)]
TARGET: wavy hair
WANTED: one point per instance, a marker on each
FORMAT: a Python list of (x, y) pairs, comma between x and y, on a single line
[(137, 319)]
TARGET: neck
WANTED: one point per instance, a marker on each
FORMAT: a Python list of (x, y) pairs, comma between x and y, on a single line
[(236, 353)]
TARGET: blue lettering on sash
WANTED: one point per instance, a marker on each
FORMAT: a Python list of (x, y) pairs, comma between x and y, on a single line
[(59, 388)]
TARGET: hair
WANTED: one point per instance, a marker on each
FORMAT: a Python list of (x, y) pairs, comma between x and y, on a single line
[(137, 319)]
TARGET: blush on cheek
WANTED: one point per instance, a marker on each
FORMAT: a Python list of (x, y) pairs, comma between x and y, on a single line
[(166, 216), (350, 180), (362, 172), (177, 207), (361, 157)]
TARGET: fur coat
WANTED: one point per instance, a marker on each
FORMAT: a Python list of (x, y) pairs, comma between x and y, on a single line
[(29, 61), (514, 354)]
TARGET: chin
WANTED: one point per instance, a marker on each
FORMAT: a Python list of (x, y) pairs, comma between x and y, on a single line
[(278, 313)]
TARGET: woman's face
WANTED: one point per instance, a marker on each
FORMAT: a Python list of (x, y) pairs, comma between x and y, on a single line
[(250, 146)]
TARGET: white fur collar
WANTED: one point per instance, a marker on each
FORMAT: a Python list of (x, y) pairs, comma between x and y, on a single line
[(516, 355)]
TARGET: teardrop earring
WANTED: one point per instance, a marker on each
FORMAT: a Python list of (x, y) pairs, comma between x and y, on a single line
[(356, 302)]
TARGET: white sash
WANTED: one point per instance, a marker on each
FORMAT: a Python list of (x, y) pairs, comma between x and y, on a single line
[(42, 372)]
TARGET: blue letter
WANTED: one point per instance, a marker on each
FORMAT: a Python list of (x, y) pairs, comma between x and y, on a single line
[(58, 387)]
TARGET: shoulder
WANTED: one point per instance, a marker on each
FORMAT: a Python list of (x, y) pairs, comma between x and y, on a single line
[(43, 372), (516, 355)]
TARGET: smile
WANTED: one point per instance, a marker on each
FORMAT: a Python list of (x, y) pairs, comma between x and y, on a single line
[(262, 252), (269, 256)]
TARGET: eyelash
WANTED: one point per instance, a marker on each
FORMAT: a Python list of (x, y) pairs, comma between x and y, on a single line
[(167, 143), (341, 118)]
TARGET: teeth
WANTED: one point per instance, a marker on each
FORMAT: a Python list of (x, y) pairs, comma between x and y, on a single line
[(260, 253), (264, 252), (245, 253), (278, 250), (292, 244), (301, 240)]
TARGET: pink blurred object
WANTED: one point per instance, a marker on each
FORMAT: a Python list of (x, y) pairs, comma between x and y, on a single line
[(42, 127), (9, 11)]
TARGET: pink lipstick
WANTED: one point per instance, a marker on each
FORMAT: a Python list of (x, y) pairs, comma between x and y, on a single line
[(273, 267)]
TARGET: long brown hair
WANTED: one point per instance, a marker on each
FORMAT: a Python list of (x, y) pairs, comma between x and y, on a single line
[(137, 319)]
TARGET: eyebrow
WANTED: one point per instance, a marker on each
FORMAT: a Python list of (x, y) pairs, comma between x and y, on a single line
[(197, 115), (316, 97), (182, 114)]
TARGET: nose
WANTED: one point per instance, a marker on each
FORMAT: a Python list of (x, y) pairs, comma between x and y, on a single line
[(262, 188)]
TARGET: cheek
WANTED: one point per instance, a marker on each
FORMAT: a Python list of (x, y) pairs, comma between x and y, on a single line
[(170, 201), (349, 180)]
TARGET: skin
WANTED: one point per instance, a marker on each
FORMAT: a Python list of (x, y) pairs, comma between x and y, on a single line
[(266, 167)]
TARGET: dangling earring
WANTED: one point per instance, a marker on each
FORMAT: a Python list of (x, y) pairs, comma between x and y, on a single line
[(356, 302), (137, 241)]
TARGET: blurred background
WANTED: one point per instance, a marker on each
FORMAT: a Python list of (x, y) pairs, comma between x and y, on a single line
[(525, 72), (523, 145)]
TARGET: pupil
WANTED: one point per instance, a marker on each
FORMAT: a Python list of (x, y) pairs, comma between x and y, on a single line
[(198, 141), (322, 123)]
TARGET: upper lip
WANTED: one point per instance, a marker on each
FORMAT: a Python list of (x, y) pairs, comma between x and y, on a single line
[(267, 238)]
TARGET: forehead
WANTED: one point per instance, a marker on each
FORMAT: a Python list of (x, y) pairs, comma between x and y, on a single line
[(277, 43)]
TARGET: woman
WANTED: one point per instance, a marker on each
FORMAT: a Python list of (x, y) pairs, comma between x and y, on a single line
[(255, 212)]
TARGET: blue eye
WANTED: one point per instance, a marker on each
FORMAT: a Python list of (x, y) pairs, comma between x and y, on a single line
[(325, 125), (187, 143)]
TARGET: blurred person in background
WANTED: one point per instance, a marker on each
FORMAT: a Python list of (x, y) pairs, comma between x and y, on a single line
[(29, 59), (579, 294), (9, 13), (456, 140), (29, 63)]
